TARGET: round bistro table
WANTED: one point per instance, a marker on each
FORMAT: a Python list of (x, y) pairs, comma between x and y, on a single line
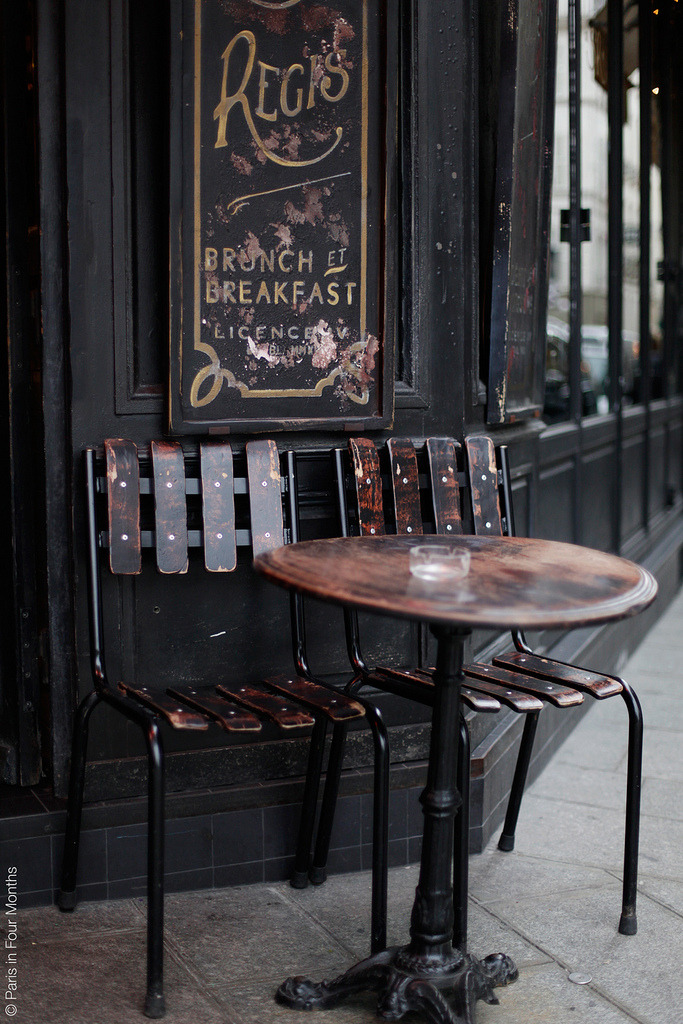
[(511, 583)]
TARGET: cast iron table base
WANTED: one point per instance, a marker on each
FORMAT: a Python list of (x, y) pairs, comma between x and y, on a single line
[(413, 977), (404, 986)]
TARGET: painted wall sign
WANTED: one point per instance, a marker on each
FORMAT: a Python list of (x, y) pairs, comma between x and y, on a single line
[(277, 216), (522, 211)]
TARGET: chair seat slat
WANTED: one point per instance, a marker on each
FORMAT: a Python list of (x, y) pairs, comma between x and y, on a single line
[(225, 713), (169, 708), (382, 677), (444, 484), (481, 457), (522, 703), (218, 507), (368, 486), (123, 506), (280, 710), (332, 703), (170, 507), (594, 683), (263, 467), (560, 695), (405, 485)]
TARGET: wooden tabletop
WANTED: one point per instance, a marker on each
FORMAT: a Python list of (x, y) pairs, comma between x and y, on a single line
[(511, 582)]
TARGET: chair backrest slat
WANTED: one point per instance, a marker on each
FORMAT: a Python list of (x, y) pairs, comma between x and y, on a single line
[(405, 485), (170, 507), (443, 469), (263, 470), (123, 506), (368, 486), (483, 474), (218, 507)]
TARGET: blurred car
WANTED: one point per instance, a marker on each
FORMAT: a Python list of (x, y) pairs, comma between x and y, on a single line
[(595, 354), (556, 408)]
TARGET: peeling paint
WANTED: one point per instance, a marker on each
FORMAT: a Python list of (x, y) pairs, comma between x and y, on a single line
[(324, 345), (261, 351), (241, 164)]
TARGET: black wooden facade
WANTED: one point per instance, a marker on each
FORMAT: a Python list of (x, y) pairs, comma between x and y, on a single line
[(86, 179)]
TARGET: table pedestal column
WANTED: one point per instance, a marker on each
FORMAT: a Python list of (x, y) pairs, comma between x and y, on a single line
[(417, 977)]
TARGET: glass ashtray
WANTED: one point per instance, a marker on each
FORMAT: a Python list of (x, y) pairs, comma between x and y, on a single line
[(434, 562)]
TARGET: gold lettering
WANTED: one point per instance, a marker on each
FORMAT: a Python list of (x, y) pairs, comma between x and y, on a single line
[(316, 294), (243, 332), (228, 256), (286, 109), (278, 293), (327, 81), (297, 290), (265, 262), (283, 268), (226, 104), (262, 86), (229, 292), (350, 285), (277, 332), (245, 293), (308, 260), (333, 293), (217, 334), (210, 259), (212, 290), (293, 333), (263, 293)]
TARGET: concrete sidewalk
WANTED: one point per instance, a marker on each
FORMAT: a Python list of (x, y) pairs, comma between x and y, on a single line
[(553, 904)]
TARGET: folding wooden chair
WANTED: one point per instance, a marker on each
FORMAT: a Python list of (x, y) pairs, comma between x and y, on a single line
[(492, 511), (169, 504), (506, 682)]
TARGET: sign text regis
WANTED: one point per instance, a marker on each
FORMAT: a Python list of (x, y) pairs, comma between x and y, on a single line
[(285, 87)]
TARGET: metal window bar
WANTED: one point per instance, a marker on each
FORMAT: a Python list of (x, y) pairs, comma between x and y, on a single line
[(575, 313), (645, 64), (615, 260), (575, 238)]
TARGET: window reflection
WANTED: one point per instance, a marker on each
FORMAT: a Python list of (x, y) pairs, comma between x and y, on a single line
[(595, 380)]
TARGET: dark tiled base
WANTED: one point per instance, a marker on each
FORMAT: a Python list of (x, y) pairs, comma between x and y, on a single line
[(230, 847), (228, 842)]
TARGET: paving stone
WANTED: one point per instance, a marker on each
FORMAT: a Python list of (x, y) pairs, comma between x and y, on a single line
[(51, 925), (594, 837), (342, 906), (487, 934), (667, 891), (544, 995), (599, 787), (100, 979), (636, 971), (255, 1004), (496, 876), (248, 933), (662, 798)]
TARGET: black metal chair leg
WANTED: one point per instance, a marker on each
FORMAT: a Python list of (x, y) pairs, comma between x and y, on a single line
[(154, 1003), (302, 859), (66, 900), (380, 830), (318, 872), (507, 839), (628, 923), (380, 818), (461, 845)]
